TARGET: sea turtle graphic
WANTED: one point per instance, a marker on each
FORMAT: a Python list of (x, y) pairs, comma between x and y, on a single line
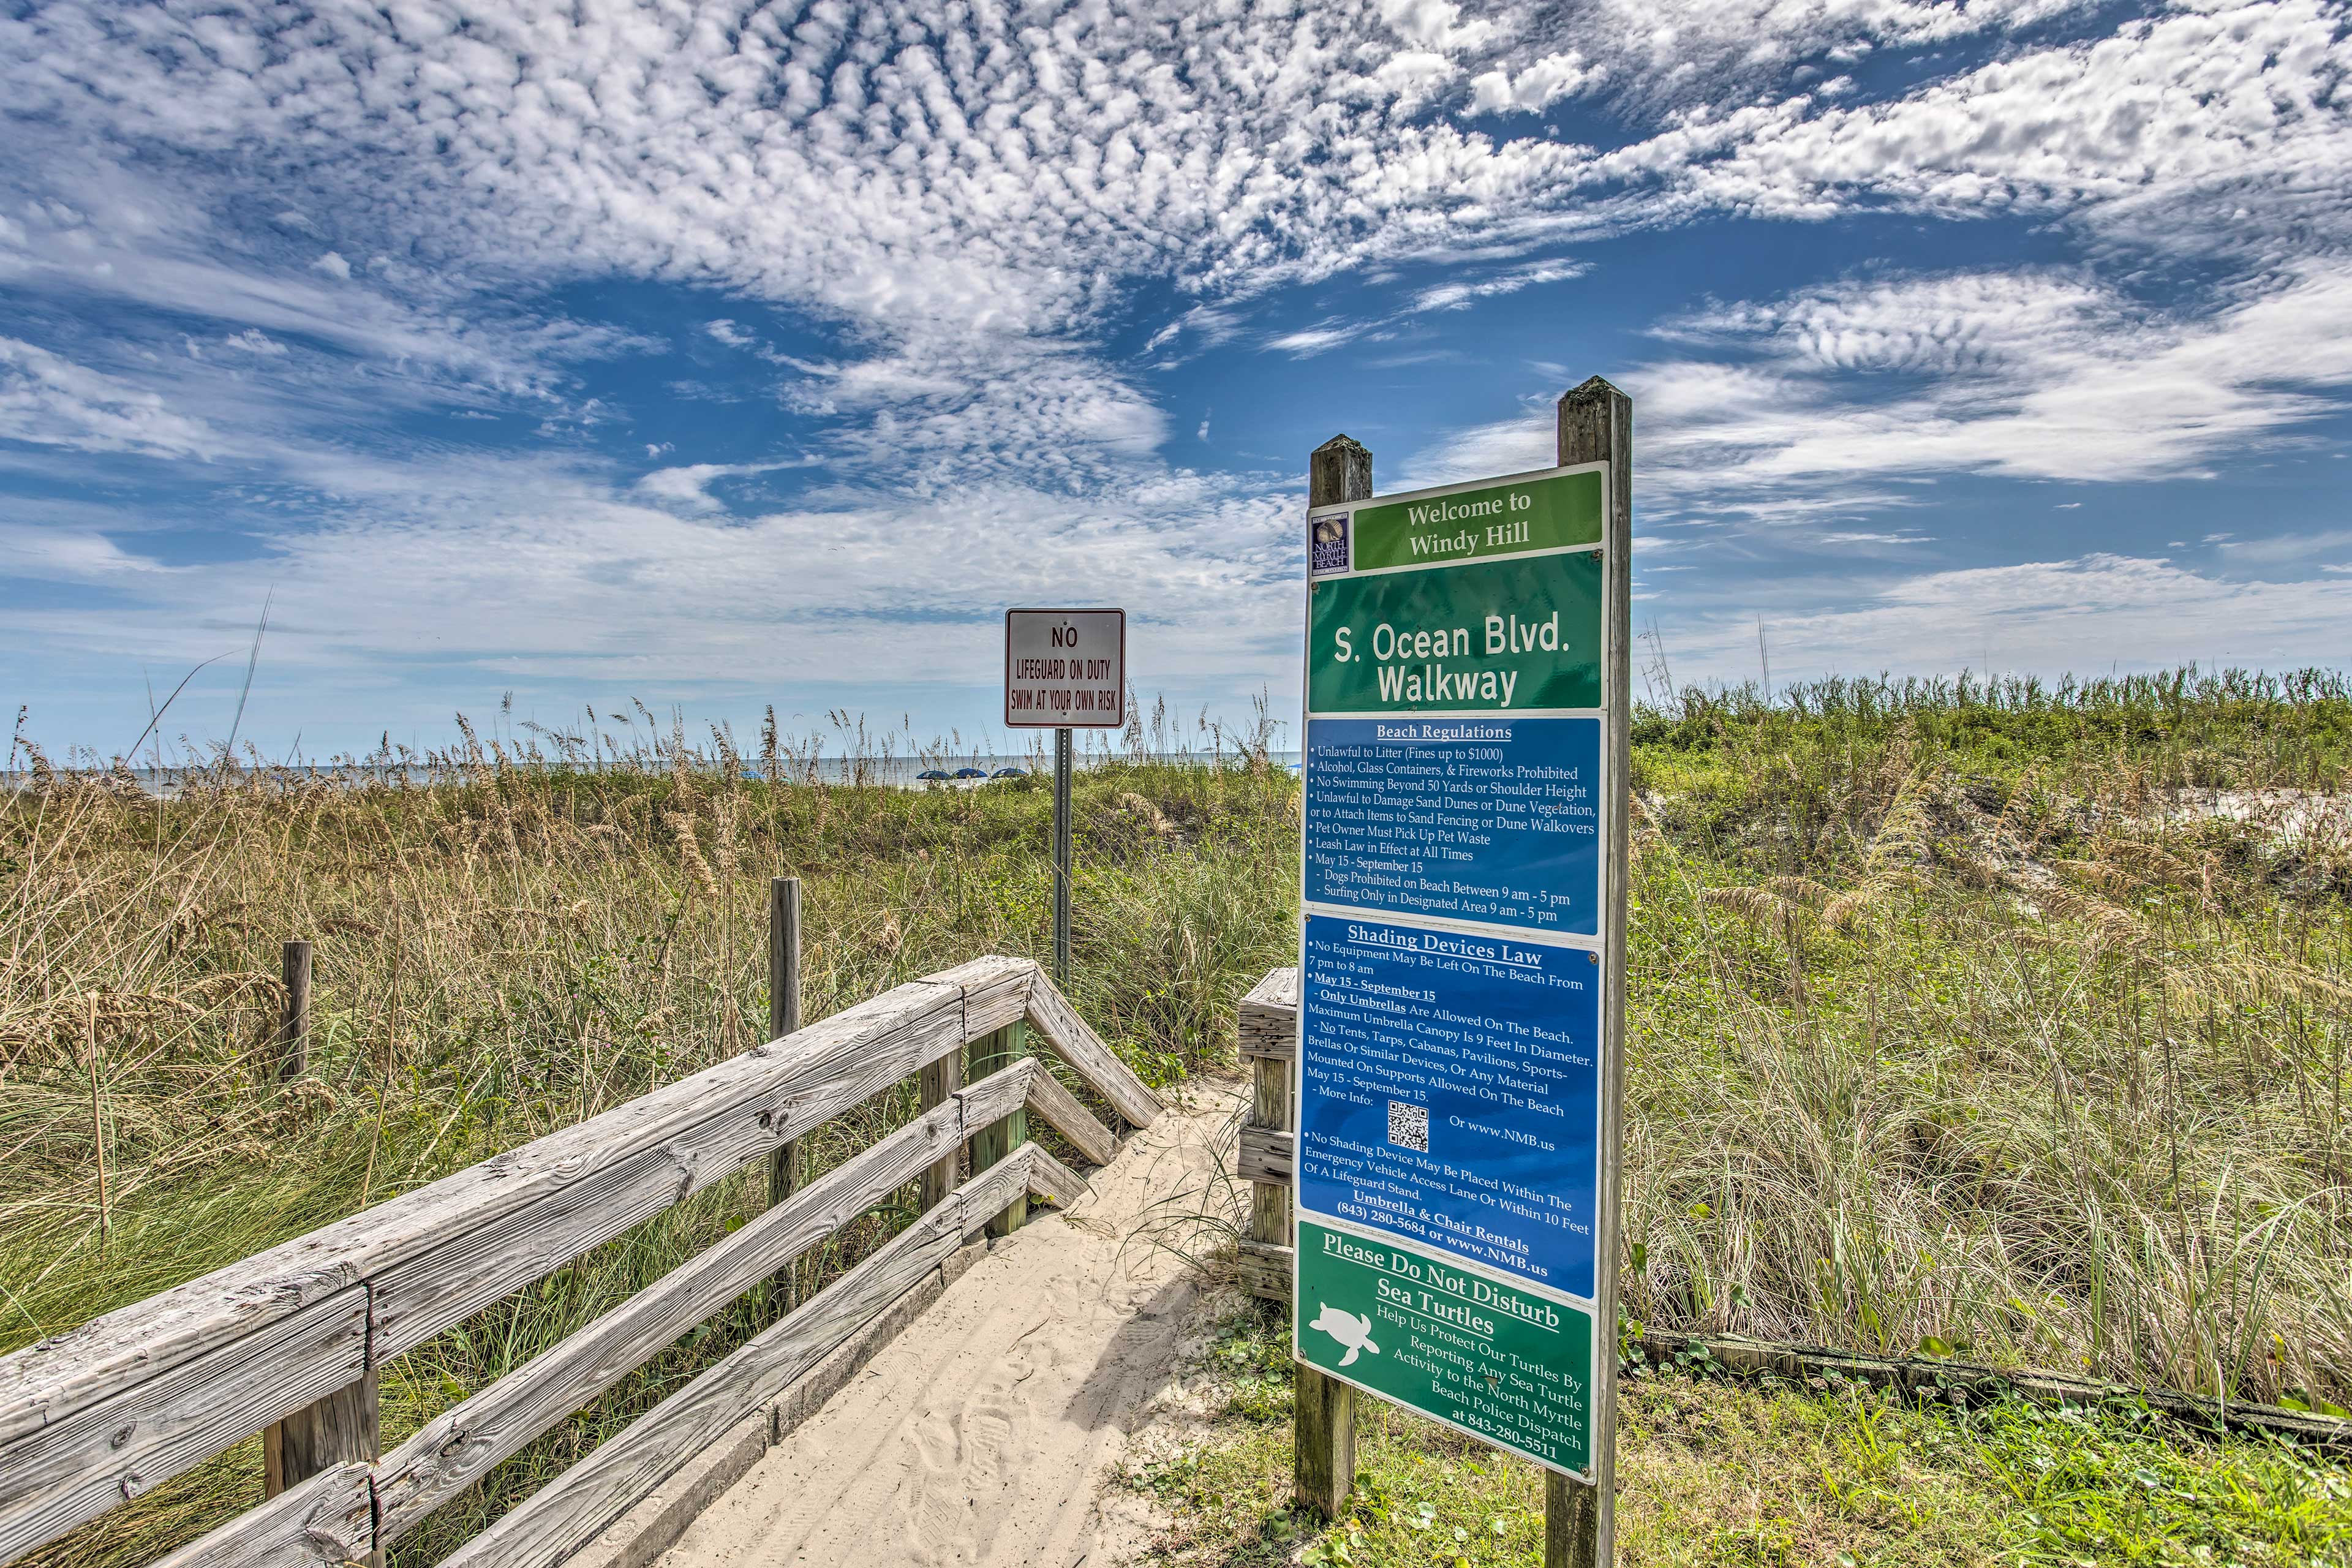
[(1350, 1329)]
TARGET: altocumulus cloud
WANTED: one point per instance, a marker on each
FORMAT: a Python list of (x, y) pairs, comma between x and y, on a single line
[(373, 217)]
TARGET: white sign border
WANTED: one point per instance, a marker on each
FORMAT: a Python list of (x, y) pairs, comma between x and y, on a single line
[(1118, 723)]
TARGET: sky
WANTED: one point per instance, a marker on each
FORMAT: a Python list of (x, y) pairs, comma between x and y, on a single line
[(529, 360)]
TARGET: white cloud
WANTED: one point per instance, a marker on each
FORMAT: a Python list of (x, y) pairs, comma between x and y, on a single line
[(688, 486), (48, 401), (2210, 127), (963, 200), (1822, 400), (2077, 614), (1459, 294), (1437, 24), (1320, 338), (1536, 86)]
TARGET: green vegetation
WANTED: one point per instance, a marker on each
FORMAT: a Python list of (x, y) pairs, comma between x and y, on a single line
[(2009, 1023), (506, 944), (1723, 1472), (2010, 1028)]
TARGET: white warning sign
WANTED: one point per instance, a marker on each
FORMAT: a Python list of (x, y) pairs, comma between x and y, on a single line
[(1066, 667)]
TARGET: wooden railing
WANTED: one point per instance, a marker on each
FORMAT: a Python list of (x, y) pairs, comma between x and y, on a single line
[(1269, 1040), (289, 1342)]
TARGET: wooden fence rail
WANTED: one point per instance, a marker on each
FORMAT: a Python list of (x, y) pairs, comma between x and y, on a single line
[(97, 1416)]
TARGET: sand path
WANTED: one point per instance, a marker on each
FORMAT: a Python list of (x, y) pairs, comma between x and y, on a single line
[(983, 1433)]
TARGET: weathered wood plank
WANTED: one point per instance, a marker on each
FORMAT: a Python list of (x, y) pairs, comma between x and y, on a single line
[(1265, 1156), (1068, 1037), (1073, 1121), (457, 1447), (786, 1164), (1269, 1036), (1596, 425), (1264, 1270), (100, 1456), (788, 1086), (1277, 993), (996, 1137), (343, 1428), (1270, 1108), (1267, 1018), (1049, 1178), (830, 1067), (998, 1095), (996, 992), (321, 1520), (569, 1510), (1323, 1424), (936, 1085), (1269, 1047)]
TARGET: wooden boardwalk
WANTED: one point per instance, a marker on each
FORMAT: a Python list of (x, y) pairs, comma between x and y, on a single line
[(288, 1342), (984, 1432)]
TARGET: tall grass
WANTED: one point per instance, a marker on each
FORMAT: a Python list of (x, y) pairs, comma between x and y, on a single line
[(506, 944), (2005, 1021), (2001, 1021)]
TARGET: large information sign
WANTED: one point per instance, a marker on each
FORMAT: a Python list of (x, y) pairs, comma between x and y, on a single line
[(1454, 970)]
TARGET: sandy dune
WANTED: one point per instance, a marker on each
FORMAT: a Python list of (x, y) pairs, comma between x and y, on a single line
[(983, 1433)]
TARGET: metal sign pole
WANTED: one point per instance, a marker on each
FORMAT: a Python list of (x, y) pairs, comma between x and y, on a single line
[(1062, 857)]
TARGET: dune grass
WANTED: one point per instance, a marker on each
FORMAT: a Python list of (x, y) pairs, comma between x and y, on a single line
[(2006, 1022), (505, 946), (2010, 1028)]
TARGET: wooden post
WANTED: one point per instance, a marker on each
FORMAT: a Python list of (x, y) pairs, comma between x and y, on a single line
[(1571, 1522), (999, 1139), (1596, 425), (294, 1020), (1323, 1415), (1270, 1108), (937, 1085), (785, 1170), (342, 1425), (340, 1428)]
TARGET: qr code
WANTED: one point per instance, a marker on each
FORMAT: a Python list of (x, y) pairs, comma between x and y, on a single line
[(1409, 1126)]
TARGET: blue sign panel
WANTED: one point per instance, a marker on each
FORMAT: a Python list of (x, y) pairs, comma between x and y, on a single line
[(1496, 821), (1450, 1093)]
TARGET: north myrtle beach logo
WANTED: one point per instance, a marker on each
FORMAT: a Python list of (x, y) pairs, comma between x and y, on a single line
[(1328, 543)]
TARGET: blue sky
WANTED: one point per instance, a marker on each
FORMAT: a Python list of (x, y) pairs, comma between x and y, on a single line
[(724, 355)]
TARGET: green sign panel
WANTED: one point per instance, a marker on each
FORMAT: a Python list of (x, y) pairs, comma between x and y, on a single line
[(1499, 1362), (1514, 633), (1510, 518)]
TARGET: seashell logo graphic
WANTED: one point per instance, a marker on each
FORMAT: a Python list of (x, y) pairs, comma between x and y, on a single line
[(1326, 543)]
